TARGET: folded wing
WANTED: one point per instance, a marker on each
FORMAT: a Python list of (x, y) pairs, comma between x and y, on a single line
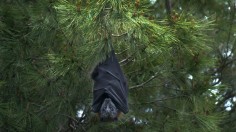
[(110, 82)]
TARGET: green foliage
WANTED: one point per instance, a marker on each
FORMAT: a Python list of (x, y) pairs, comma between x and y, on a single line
[(49, 48)]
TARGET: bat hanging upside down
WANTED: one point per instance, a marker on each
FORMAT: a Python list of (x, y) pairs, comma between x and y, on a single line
[(110, 91)]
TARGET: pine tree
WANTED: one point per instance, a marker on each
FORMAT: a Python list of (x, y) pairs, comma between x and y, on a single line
[(49, 48)]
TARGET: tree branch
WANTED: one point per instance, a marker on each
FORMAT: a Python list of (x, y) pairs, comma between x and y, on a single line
[(157, 100), (168, 6), (122, 52), (142, 84), (119, 35), (125, 60)]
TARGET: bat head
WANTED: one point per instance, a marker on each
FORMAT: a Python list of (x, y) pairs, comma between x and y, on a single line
[(108, 111)]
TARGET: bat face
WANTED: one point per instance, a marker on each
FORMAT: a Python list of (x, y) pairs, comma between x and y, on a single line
[(108, 110)]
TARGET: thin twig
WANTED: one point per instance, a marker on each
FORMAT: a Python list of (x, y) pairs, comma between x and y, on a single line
[(119, 35), (124, 60), (121, 52), (107, 8), (70, 117), (142, 84), (157, 100), (232, 15)]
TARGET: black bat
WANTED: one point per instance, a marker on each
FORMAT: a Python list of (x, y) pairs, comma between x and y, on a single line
[(110, 91)]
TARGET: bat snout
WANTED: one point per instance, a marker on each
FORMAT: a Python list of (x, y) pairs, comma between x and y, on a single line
[(108, 110)]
